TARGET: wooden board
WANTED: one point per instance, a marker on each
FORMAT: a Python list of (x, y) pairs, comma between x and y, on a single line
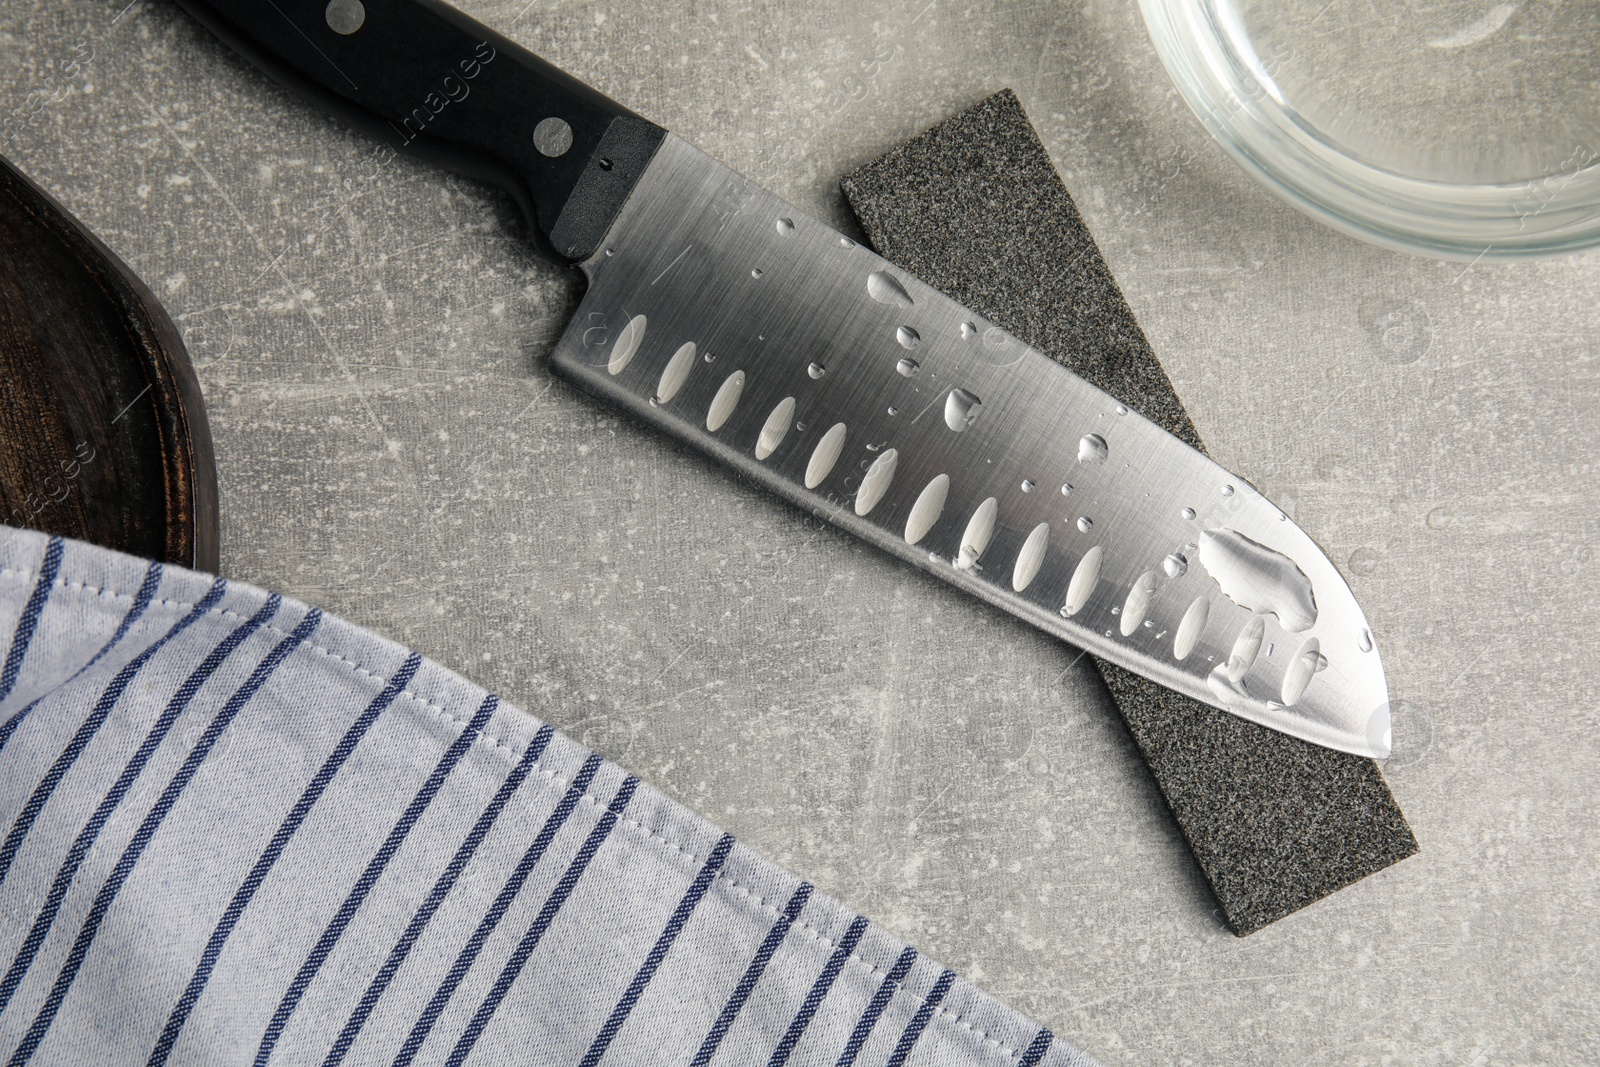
[(103, 433)]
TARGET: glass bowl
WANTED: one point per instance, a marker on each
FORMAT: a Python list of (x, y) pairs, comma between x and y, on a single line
[(1460, 130)]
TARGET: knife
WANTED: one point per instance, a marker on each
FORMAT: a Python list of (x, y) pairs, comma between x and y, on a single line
[(727, 319)]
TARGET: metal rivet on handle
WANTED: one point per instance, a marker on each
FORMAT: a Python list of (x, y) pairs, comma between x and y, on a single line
[(345, 16), (552, 137)]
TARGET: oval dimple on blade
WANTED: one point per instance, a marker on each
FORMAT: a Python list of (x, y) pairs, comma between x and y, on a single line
[(675, 373), (1137, 605), (876, 481), (980, 528), (1189, 630), (1084, 578), (926, 511), (1031, 558), (627, 345), (1246, 647), (825, 455), (725, 401), (776, 428)]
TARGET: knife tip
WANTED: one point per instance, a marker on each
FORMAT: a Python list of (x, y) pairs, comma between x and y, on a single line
[(1380, 732)]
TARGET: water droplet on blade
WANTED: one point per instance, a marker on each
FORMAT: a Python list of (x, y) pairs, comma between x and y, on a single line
[(1093, 449), (725, 401), (1084, 578), (876, 481), (816, 370), (1227, 490), (756, 272), (775, 428), (628, 342), (1027, 485), (885, 288), (1188, 513), (1189, 630), (1121, 410), (1031, 558), (1364, 641), (1259, 578), (785, 226), (675, 373), (969, 330), (908, 337), (980, 528), (961, 409), (1066, 489), (908, 367), (1137, 605), (926, 511), (1085, 523), (1175, 565), (825, 455)]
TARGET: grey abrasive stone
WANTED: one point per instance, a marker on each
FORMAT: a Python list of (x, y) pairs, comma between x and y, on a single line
[(975, 208)]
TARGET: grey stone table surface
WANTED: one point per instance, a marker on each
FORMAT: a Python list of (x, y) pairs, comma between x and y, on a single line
[(369, 334)]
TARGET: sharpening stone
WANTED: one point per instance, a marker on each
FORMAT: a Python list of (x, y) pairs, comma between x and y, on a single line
[(975, 208)]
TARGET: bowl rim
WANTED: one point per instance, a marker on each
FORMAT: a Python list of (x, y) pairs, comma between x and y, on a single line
[(1207, 62)]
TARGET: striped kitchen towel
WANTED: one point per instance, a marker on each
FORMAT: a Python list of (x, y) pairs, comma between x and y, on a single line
[(239, 831)]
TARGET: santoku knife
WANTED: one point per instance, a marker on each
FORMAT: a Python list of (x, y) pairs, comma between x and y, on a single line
[(724, 317)]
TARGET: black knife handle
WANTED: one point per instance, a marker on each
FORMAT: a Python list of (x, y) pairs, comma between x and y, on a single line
[(429, 79)]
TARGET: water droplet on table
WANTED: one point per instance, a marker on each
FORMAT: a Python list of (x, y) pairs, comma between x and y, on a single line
[(1364, 561)]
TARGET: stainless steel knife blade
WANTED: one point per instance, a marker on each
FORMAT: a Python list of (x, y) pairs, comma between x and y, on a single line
[(723, 316)]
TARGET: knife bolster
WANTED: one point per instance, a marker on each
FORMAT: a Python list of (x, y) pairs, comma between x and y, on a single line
[(430, 81)]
